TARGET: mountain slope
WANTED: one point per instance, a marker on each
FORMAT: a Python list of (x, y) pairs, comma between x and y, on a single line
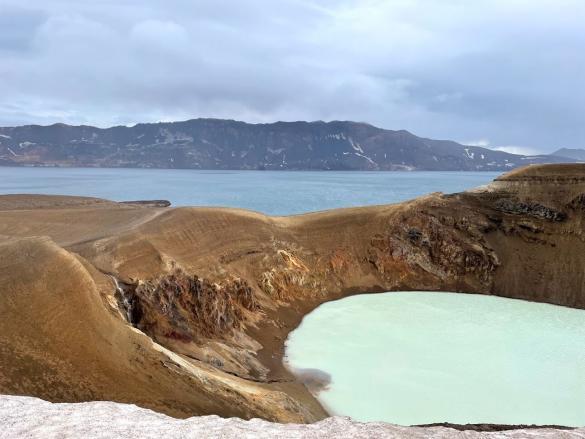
[(228, 144), (575, 154)]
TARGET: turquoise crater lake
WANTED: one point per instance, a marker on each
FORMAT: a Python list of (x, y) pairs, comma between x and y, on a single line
[(421, 357)]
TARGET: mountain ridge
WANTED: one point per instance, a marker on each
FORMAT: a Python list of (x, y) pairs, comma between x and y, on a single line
[(572, 153), (229, 144)]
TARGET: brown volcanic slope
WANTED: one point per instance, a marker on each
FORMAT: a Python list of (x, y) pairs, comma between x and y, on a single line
[(186, 310)]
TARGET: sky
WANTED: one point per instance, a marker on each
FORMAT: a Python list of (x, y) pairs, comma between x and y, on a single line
[(505, 74)]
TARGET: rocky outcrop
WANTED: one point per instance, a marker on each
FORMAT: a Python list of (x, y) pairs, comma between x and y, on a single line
[(181, 306), (289, 278), (536, 210), (450, 252)]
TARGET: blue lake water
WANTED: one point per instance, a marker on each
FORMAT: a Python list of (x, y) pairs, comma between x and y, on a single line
[(275, 193)]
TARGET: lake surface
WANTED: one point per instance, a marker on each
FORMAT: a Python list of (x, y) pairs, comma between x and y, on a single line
[(414, 358), (274, 193)]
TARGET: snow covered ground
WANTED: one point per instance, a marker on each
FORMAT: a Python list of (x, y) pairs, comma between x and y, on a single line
[(24, 417)]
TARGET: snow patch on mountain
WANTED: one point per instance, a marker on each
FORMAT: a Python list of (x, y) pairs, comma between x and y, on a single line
[(356, 146), (365, 157)]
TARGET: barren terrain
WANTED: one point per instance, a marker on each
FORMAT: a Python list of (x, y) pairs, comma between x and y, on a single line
[(185, 310)]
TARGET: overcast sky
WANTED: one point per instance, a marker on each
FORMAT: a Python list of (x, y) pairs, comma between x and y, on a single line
[(501, 73)]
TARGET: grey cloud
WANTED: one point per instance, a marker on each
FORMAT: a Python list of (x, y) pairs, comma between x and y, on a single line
[(505, 70), (18, 27)]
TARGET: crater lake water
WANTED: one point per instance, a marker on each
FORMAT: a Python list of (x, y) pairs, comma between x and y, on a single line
[(420, 357), (270, 192)]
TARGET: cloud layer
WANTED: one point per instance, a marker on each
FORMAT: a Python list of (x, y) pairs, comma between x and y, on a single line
[(509, 72)]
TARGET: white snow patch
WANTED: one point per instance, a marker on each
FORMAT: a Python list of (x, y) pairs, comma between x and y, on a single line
[(32, 418), (338, 136), (355, 145), (365, 157)]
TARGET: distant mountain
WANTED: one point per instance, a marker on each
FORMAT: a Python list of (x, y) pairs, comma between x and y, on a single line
[(228, 144), (575, 154)]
